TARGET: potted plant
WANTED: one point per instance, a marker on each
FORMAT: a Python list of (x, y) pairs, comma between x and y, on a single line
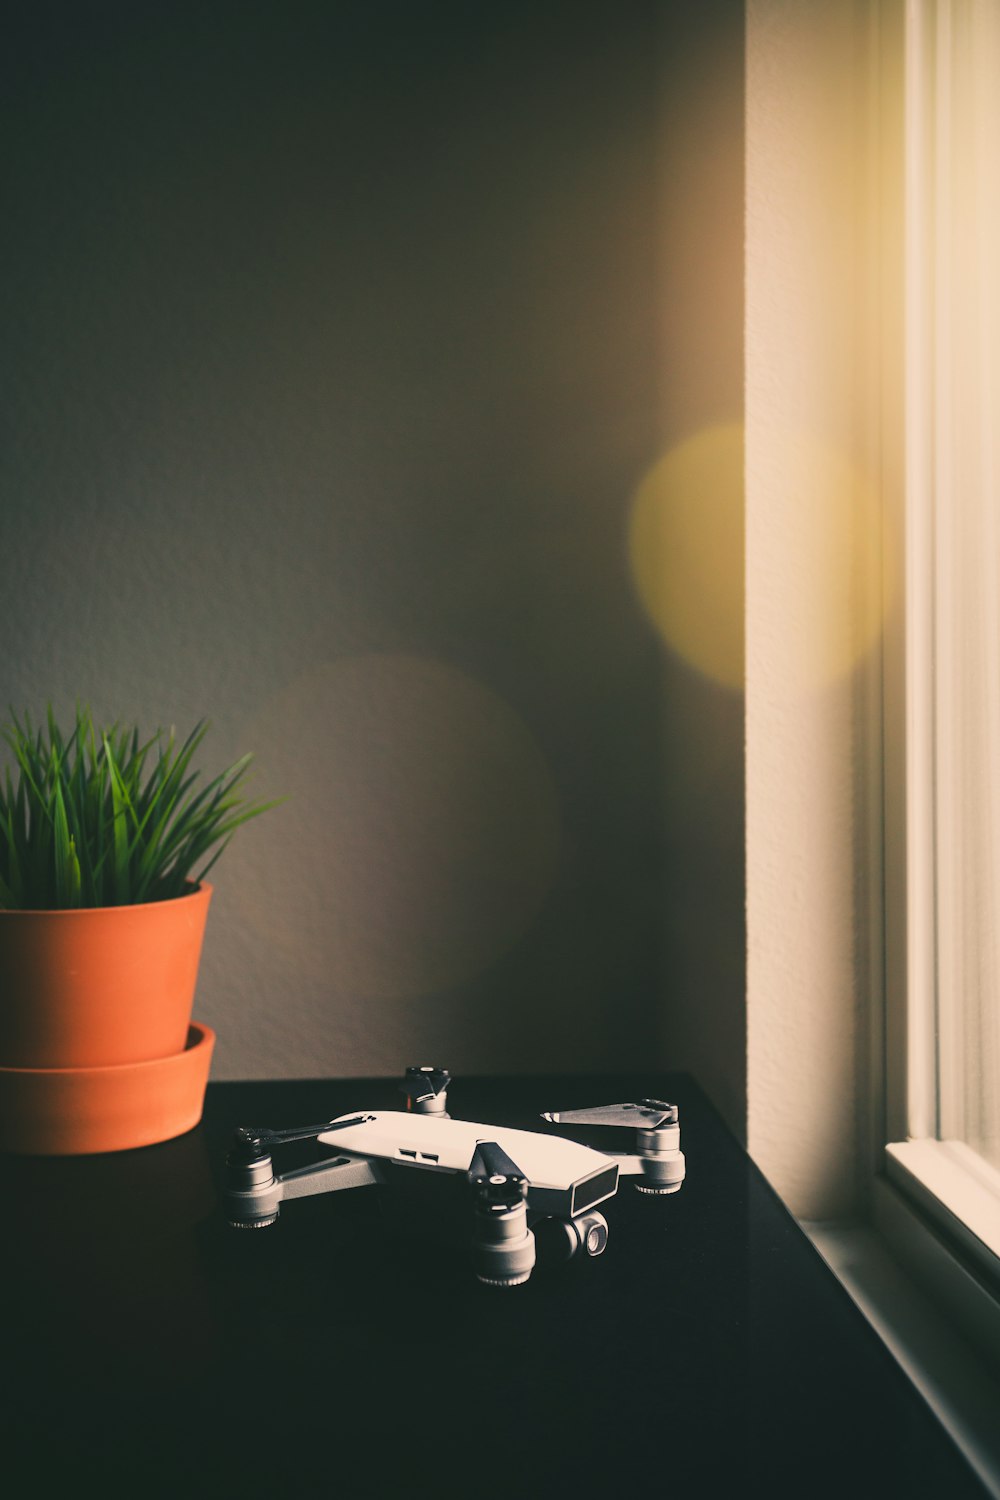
[(105, 843)]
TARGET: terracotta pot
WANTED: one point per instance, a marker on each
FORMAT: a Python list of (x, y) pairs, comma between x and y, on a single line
[(74, 1111), (100, 987)]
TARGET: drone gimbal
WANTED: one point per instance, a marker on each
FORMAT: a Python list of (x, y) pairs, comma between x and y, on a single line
[(521, 1184)]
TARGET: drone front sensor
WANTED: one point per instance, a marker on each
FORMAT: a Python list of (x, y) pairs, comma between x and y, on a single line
[(526, 1190)]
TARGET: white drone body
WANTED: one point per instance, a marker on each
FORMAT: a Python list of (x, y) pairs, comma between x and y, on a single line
[(521, 1182), (562, 1176)]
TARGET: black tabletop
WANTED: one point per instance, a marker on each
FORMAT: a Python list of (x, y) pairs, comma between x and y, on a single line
[(151, 1350)]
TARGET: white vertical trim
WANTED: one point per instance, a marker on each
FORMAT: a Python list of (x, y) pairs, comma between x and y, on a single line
[(920, 463), (944, 795), (960, 101), (952, 623), (986, 103), (899, 279)]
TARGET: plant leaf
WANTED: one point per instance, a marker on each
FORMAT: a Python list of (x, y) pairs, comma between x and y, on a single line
[(101, 817), (119, 806)]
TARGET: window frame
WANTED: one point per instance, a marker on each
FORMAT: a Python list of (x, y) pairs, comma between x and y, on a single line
[(828, 924), (927, 1187)]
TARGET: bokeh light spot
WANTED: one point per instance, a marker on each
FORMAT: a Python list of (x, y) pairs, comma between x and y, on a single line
[(421, 833), (686, 550)]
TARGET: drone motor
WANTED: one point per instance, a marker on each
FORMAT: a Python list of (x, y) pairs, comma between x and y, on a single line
[(503, 1247), (662, 1159), (426, 1090)]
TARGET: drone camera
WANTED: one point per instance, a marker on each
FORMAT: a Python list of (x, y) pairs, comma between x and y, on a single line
[(592, 1232), (565, 1239)]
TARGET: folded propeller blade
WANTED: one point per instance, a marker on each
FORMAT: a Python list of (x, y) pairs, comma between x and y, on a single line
[(253, 1141), (647, 1114)]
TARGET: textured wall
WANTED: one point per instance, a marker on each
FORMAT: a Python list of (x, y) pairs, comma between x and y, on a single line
[(338, 341), (814, 595)]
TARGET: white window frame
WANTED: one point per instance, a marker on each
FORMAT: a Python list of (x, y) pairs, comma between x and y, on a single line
[(838, 1040), (948, 1184), (930, 1208)]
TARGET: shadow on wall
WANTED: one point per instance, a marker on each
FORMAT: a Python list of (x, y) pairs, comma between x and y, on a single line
[(340, 340)]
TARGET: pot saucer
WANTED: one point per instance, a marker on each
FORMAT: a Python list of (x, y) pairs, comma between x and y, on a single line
[(76, 1111)]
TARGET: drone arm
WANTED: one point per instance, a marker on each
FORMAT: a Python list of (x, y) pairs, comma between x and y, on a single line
[(254, 1193), (328, 1177)]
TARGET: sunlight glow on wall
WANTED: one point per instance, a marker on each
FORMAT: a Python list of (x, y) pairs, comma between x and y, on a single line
[(826, 560), (686, 550)]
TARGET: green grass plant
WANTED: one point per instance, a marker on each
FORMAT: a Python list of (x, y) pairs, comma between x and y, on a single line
[(100, 817)]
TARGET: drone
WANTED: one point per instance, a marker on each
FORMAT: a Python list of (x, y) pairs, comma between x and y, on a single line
[(520, 1186)]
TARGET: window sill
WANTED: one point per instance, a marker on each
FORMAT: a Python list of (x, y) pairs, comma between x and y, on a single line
[(958, 1190), (940, 1324)]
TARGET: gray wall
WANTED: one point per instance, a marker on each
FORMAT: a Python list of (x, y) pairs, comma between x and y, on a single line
[(337, 340)]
